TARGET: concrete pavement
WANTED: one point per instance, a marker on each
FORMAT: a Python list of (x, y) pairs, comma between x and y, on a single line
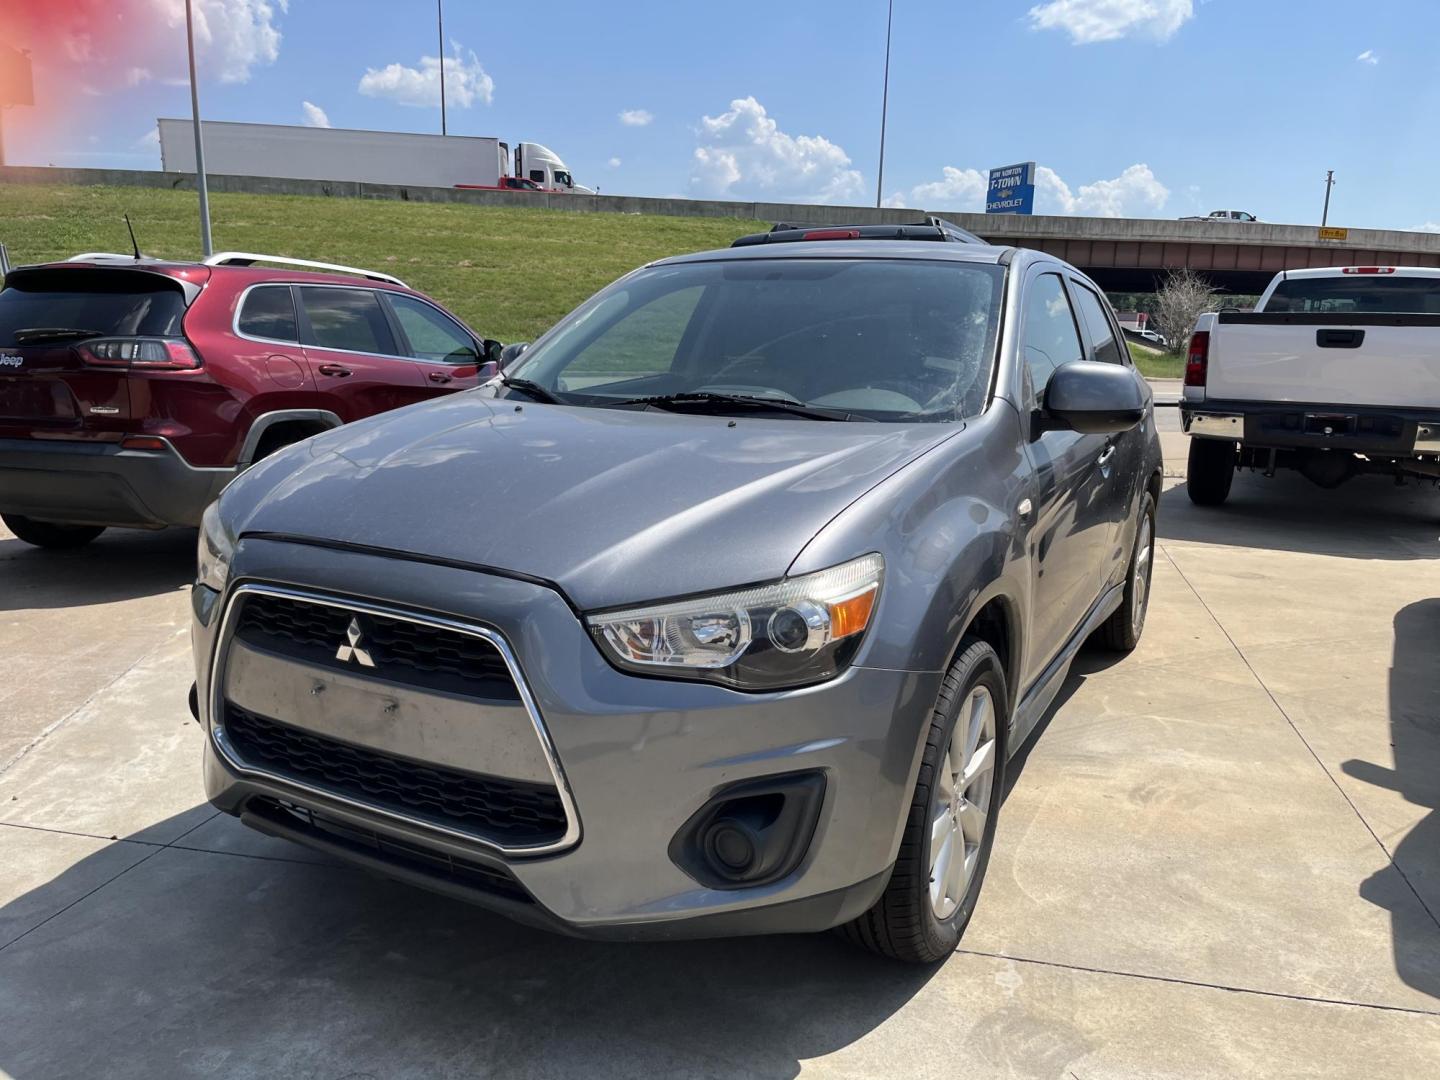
[(1220, 858)]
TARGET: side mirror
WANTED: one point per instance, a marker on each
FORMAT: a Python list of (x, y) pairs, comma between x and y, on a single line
[(1094, 398), (510, 353), (490, 352)]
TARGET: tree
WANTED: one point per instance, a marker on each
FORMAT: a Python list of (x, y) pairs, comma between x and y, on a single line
[(1179, 301)]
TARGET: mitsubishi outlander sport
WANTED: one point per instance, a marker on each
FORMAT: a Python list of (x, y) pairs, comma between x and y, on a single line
[(720, 611)]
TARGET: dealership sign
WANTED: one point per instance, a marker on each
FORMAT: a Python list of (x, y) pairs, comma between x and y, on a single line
[(1012, 190)]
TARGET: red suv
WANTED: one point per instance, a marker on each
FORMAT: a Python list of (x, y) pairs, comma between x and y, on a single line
[(132, 391)]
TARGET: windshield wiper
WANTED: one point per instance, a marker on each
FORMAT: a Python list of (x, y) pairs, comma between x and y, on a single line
[(707, 398), (534, 389), (35, 335)]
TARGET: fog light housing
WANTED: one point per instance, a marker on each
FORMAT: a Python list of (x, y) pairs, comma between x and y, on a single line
[(751, 833)]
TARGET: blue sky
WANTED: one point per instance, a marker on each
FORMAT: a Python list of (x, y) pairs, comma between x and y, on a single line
[(1154, 108)]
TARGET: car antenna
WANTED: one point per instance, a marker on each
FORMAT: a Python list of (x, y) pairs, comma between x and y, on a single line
[(133, 244)]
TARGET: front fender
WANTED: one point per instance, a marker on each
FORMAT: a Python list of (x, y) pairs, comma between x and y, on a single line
[(946, 525)]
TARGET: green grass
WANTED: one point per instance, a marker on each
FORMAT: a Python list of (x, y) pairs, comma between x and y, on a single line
[(509, 272), (1157, 365)]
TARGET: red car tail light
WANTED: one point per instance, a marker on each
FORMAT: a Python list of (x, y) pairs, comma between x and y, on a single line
[(154, 354), (1198, 359), (1368, 270)]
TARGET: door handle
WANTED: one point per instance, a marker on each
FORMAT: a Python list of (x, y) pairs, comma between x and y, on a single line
[(336, 370), (1104, 458), (439, 376)]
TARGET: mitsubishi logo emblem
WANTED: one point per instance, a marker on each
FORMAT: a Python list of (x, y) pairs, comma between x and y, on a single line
[(354, 649)]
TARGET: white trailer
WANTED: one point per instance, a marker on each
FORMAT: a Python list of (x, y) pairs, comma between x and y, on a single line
[(309, 153)]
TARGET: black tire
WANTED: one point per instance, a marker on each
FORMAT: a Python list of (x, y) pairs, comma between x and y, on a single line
[(50, 534), (1209, 471), (1122, 630), (903, 925)]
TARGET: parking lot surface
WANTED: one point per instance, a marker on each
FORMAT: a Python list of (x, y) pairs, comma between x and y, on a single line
[(1220, 858)]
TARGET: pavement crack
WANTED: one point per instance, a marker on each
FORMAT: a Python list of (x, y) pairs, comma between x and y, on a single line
[(1201, 984), (1389, 855)]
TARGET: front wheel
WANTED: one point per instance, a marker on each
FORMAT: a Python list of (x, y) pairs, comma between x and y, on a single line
[(950, 824), (50, 534), (1209, 471)]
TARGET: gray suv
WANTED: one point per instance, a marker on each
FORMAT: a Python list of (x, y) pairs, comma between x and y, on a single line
[(719, 612)]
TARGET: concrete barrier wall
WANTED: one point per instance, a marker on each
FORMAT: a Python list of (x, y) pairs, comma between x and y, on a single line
[(1002, 229)]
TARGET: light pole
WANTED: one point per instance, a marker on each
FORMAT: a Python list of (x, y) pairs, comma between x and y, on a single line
[(884, 103), (440, 25), (205, 245), (1329, 183)]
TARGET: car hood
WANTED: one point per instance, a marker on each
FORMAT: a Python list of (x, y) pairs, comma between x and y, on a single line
[(614, 506)]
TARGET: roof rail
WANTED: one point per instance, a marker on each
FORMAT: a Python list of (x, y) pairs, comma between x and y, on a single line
[(931, 228), (249, 258)]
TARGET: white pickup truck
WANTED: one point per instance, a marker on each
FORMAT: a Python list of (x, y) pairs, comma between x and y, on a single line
[(1336, 372)]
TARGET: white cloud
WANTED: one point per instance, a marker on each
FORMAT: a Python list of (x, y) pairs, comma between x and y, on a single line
[(1134, 193), (636, 117), (126, 43), (1368, 57), (150, 140), (1428, 226), (1089, 21), (744, 152), (957, 189), (465, 81), (614, 163), (314, 115), (231, 36), (1131, 194)]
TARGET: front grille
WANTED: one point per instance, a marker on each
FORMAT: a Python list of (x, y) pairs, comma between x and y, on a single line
[(350, 838), (509, 812), (409, 653)]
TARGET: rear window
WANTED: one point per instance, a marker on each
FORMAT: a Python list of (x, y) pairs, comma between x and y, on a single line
[(107, 303), (1361, 293)]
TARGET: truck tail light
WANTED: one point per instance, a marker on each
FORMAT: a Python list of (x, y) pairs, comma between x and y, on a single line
[(1198, 359), (151, 354), (1368, 270)]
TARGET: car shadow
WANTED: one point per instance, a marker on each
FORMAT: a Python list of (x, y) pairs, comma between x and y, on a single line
[(122, 564), (260, 960), (1367, 518), (1415, 737)]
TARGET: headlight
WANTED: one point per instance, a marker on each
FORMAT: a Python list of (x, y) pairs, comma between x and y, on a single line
[(797, 631), (215, 550)]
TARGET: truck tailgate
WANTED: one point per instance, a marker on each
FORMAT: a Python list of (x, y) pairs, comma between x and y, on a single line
[(1391, 359)]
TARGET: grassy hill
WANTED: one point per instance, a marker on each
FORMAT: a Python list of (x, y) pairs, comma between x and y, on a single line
[(510, 273)]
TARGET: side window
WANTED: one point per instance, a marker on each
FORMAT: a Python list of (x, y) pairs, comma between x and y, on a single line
[(538, 175), (1050, 338), (1102, 335), (268, 312), (432, 336), (347, 319)]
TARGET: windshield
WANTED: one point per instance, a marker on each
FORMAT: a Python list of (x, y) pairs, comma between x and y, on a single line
[(1358, 293), (885, 339)]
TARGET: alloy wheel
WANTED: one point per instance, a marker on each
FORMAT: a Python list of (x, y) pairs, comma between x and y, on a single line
[(960, 803)]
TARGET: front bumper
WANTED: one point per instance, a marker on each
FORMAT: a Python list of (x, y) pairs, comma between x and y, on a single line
[(86, 483), (637, 758)]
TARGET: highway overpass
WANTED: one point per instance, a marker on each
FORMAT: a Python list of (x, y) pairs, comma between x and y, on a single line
[(1129, 254), (1122, 254)]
